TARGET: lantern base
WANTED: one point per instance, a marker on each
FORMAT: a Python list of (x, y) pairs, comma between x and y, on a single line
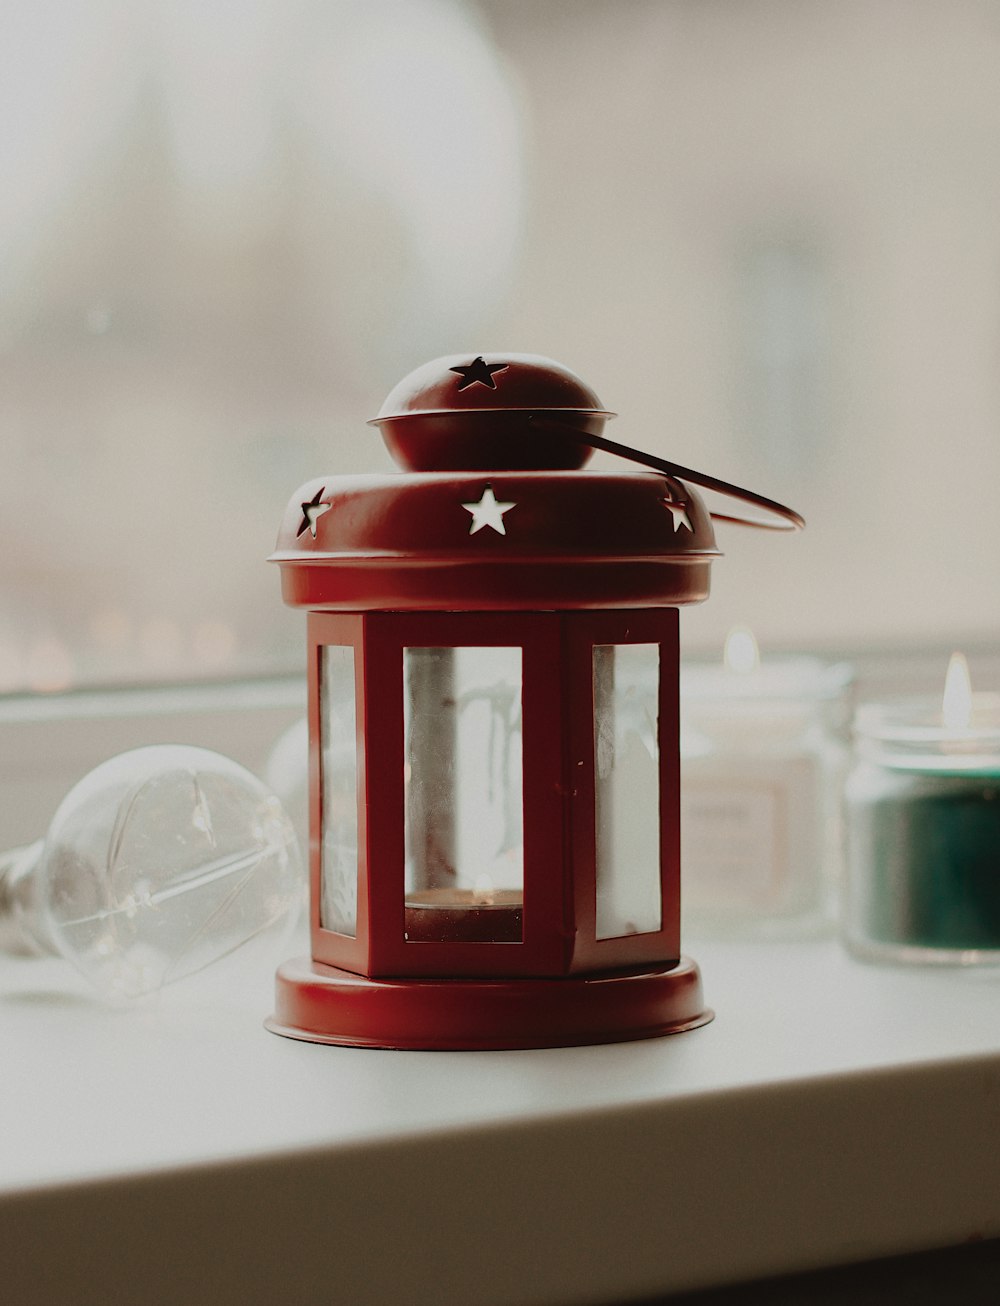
[(321, 1004)]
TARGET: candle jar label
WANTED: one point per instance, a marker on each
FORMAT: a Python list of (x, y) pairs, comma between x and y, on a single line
[(753, 835), (734, 850)]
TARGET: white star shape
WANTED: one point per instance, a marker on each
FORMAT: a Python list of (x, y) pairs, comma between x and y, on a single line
[(679, 513), (488, 512), (313, 512)]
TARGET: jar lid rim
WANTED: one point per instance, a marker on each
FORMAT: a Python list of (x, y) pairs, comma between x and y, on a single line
[(913, 727)]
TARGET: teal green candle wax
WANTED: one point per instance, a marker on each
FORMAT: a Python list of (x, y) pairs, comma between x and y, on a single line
[(923, 837)]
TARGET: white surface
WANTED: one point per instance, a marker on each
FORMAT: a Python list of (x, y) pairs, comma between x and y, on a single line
[(832, 1111)]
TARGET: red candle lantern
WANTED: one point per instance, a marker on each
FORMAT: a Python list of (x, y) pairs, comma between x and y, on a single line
[(493, 723)]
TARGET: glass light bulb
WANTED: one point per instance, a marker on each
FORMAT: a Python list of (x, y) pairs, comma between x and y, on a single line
[(158, 863), (286, 772)]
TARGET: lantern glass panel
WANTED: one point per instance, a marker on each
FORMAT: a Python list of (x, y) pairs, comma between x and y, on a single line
[(627, 789), (463, 774), (339, 791)]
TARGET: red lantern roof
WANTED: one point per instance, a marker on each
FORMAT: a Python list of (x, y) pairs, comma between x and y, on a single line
[(515, 540), (495, 514)]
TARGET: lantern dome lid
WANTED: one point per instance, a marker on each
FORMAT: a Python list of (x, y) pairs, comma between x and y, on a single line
[(496, 410), (460, 383)]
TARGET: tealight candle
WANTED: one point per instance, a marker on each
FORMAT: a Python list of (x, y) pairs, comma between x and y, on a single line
[(463, 916), (923, 808), (761, 768)]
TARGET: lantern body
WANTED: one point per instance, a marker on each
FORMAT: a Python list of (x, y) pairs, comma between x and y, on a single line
[(493, 724), (516, 782)]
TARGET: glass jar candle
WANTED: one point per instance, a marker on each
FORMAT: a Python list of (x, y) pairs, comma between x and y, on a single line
[(763, 755), (923, 829)]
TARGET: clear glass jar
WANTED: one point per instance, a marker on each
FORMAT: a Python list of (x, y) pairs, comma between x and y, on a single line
[(922, 807), (763, 758)]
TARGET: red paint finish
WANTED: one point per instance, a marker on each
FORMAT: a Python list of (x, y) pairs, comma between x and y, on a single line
[(558, 808), (492, 538), (319, 1004)]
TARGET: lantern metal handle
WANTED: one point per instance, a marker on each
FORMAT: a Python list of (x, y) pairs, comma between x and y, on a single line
[(790, 520)]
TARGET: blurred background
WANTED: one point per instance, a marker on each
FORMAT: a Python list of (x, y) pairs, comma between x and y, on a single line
[(767, 232)]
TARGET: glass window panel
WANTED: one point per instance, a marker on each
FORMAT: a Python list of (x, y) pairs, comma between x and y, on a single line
[(464, 779), (627, 784), (339, 813)]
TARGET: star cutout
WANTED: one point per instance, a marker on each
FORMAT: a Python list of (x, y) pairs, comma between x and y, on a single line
[(678, 510), (488, 512), (311, 513), (479, 370)]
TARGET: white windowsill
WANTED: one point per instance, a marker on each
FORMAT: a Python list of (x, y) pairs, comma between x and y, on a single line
[(832, 1112)]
